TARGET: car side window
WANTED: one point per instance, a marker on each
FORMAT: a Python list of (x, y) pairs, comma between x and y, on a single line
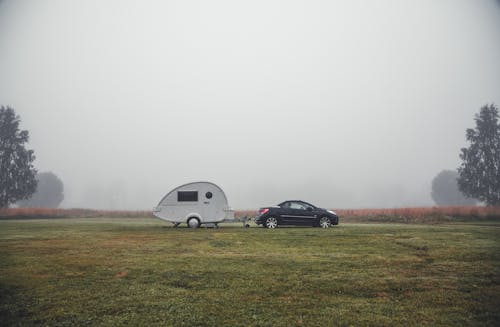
[(286, 205), (307, 207), (296, 205)]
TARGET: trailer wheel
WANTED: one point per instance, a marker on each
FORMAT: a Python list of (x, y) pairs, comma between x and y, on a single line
[(193, 222)]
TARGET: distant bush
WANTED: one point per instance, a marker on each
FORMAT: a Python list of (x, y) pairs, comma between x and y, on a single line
[(49, 192), (445, 190)]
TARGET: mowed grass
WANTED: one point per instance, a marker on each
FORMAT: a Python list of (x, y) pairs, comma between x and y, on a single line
[(113, 272)]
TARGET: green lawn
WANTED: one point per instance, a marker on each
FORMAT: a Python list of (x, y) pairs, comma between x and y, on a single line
[(113, 272)]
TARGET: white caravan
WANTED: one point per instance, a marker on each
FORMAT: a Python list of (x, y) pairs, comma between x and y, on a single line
[(195, 204)]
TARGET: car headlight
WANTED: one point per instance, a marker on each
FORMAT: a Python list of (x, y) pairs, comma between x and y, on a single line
[(332, 212)]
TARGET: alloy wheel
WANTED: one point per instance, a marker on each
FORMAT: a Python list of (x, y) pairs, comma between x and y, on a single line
[(325, 222), (271, 222)]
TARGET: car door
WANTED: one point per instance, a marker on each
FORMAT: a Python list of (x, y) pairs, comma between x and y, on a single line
[(304, 214), (299, 214), (286, 214)]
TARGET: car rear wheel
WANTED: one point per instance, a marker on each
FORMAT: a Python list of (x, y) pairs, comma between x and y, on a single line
[(324, 222), (271, 222), (193, 223)]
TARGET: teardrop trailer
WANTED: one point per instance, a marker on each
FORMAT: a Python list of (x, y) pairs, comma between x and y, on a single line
[(196, 204)]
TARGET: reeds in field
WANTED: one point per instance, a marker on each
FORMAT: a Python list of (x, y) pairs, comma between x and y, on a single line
[(245, 213), (403, 215), (420, 214), (70, 213)]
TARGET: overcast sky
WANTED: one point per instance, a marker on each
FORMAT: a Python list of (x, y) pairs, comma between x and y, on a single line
[(344, 104)]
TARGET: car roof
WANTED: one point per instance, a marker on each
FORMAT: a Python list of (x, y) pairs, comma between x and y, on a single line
[(298, 201)]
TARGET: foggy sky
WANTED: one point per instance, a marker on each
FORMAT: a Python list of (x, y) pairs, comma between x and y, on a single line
[(339, 103)]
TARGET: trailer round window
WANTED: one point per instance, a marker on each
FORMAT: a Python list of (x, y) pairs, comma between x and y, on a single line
[(208, 195)]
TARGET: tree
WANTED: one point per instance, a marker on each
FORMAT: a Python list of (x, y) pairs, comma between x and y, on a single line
[(480, 168), (445, 190), (17, 173), (49, 192)]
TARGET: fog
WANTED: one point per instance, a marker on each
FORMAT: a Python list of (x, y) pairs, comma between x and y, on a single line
[(345, 104)]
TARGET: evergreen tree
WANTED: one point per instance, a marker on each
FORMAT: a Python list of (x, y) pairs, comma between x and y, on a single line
[(480, 168)]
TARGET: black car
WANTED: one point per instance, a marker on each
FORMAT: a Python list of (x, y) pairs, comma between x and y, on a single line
[(296, 212)]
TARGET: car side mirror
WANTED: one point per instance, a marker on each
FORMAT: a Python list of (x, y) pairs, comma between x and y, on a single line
[(309, 209)]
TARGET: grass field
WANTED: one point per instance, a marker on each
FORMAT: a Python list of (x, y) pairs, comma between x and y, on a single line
[(128, 271)]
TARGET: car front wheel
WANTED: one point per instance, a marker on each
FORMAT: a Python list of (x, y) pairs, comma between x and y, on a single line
[(324, 222), (271, 222)]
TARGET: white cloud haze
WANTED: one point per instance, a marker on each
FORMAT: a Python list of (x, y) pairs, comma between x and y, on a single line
[(340, 103)]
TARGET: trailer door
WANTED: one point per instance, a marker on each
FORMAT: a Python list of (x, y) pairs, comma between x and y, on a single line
[(208, 204)]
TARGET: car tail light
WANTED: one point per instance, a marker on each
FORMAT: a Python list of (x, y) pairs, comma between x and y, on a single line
[(263, 211)]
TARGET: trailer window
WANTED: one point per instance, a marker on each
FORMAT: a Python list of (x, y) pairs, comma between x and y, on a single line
[(187, 196)]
